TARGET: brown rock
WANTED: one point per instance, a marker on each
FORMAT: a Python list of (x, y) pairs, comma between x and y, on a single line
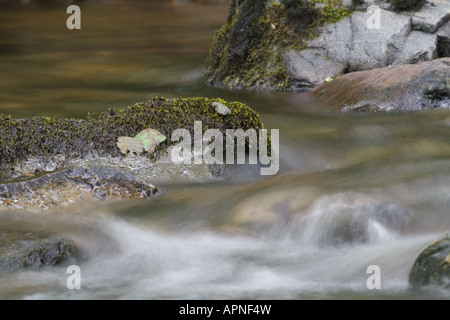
[(404, 87)]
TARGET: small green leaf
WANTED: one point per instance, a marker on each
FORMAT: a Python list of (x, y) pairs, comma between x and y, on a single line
[(150, 138)]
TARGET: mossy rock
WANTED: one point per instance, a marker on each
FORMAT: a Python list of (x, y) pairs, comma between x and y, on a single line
[(432, 266), (44, 137), (247, 51), (28, 250)]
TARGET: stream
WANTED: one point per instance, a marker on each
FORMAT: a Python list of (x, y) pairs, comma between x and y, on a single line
[(352, 191)]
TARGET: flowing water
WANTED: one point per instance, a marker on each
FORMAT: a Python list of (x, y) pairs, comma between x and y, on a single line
[(352, 191)]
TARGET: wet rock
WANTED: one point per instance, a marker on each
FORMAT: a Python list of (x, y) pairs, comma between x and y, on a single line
[(46, 137), (405, 87), (19, 250), (432, 266), (58, 189), (258, 47)]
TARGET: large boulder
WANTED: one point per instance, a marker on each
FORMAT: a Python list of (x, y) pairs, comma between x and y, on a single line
[(404, 87), (432, 266), (259, 47)]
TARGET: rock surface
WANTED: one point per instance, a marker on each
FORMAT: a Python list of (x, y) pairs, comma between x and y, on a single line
[(58, 189), (366, 36), (46, 137), (349, 45), (405, 87), (431, 16), (19, 249), (432, 266)]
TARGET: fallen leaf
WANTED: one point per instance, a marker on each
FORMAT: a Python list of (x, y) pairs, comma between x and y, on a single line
[(150, 139), (133, 145)]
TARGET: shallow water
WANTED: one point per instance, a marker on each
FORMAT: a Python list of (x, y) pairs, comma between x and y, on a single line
[(352, 190)]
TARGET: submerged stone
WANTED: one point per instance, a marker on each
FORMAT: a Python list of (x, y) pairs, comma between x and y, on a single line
[(69, 186), (20, 249), (432, 266)]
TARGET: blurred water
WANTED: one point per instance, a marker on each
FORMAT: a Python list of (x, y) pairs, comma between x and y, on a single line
[(352, 191)]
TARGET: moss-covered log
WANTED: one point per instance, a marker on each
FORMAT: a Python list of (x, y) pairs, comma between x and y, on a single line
[(47, 136)]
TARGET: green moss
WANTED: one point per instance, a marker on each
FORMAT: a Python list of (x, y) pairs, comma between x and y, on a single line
[(247, 51), (44, 136), (333, 11)]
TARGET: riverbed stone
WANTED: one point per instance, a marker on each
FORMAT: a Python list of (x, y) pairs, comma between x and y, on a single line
[(74, 185), (31, 250), (403, 87), (432, 266)]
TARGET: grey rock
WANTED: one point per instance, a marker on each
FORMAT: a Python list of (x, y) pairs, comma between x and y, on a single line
[(419, 86), (374, 48), (419, 46), (350, 45), (432, 15), (221, 108), (353, 45), (309, 68), (374, 36)]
